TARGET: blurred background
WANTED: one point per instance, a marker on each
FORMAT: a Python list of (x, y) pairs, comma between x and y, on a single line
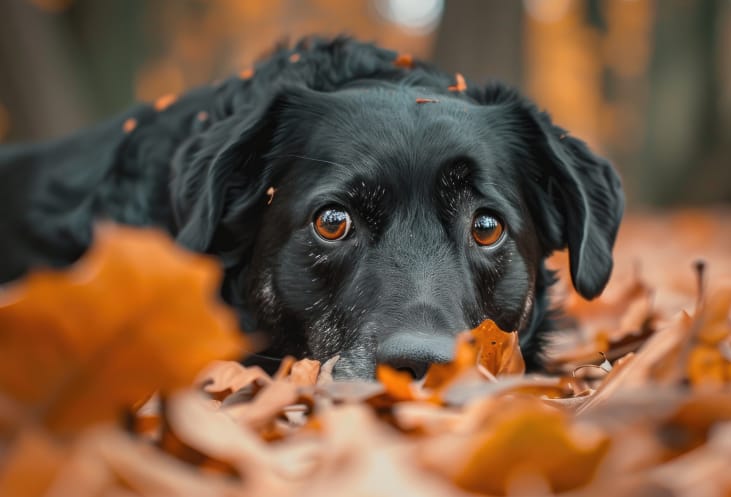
[(647, 83)]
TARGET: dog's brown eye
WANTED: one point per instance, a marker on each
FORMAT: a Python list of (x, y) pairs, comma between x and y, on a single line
[(486, 229), (332, 223)]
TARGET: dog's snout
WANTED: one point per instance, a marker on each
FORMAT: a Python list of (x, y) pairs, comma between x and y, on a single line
[(414, 351)]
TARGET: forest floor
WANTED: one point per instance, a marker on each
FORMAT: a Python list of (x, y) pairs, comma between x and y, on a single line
[(637, 401)]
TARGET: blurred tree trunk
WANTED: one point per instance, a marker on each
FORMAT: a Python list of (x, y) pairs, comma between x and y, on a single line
[(680, 161), (37, 84), (64, 70), (481, 39)]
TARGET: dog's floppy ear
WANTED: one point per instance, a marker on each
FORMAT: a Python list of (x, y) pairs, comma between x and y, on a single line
[(588, 193), (213, 167), (575, 196)]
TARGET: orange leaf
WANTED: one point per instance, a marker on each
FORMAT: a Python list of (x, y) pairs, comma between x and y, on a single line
[(129, 125), (137, 313), (304, 372), (498, 351), (246, 73), (399, 384), (164, 102), (523, 440), (30, 465), (461, 84), (707, 367), (465, 358), (404, 60), (221, 378), (715, 317)]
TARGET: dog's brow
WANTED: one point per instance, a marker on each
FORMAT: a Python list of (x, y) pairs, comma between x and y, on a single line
[(312, 159)]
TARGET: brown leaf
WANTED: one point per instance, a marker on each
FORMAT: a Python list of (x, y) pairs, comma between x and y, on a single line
[(136, 314), (399, 384), (465, 358), (498, 351), (304, 372), (326, 371), (269, 402), (522, 441), (221, 378), (30, 464)]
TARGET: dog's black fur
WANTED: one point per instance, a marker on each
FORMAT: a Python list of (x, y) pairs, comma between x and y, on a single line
[(340, 126)]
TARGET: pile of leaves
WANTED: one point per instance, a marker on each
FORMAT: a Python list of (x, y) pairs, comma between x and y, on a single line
[(113, 382)]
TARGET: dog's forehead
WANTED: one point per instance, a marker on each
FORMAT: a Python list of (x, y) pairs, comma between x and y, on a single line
[(404, 130)]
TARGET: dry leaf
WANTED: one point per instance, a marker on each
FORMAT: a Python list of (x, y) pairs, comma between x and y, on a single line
[(498, 351), (77, 347), (30, 464), (522, 441), (221, 378)]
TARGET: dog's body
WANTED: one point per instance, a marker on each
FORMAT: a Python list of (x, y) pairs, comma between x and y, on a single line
[(361, 205)]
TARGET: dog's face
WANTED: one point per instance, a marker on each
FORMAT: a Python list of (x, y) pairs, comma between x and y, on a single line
[(397, 225), (401, 217)]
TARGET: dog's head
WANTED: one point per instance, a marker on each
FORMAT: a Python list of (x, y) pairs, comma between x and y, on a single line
[(396, 217)]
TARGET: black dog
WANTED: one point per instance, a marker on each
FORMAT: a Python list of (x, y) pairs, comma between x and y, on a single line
[(361, 204)]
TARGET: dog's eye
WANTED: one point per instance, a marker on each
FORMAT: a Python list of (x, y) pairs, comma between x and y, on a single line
[(332, 223), (486, 228)]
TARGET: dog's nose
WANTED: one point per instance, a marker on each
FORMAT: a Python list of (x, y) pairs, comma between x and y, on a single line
[(414, 351)]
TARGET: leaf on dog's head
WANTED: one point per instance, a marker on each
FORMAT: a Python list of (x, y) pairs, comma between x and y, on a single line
[(165, 101), (135, 314), (129, 125), (247, 73), (404, 60), (460, 85)]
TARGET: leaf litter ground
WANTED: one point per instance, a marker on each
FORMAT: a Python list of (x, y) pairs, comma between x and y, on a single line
[(114, 382)]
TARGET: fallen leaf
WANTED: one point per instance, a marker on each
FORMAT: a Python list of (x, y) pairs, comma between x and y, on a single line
[(498, 351), (221, 378), (522, 441), (438, 376), (399, 384), (112, 329), (30, 464), (305, 372)]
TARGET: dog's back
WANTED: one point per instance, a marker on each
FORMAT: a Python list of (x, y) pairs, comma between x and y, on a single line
[(52, 192)]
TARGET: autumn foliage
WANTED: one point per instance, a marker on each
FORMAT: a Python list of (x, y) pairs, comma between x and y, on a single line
[(116, 380)]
